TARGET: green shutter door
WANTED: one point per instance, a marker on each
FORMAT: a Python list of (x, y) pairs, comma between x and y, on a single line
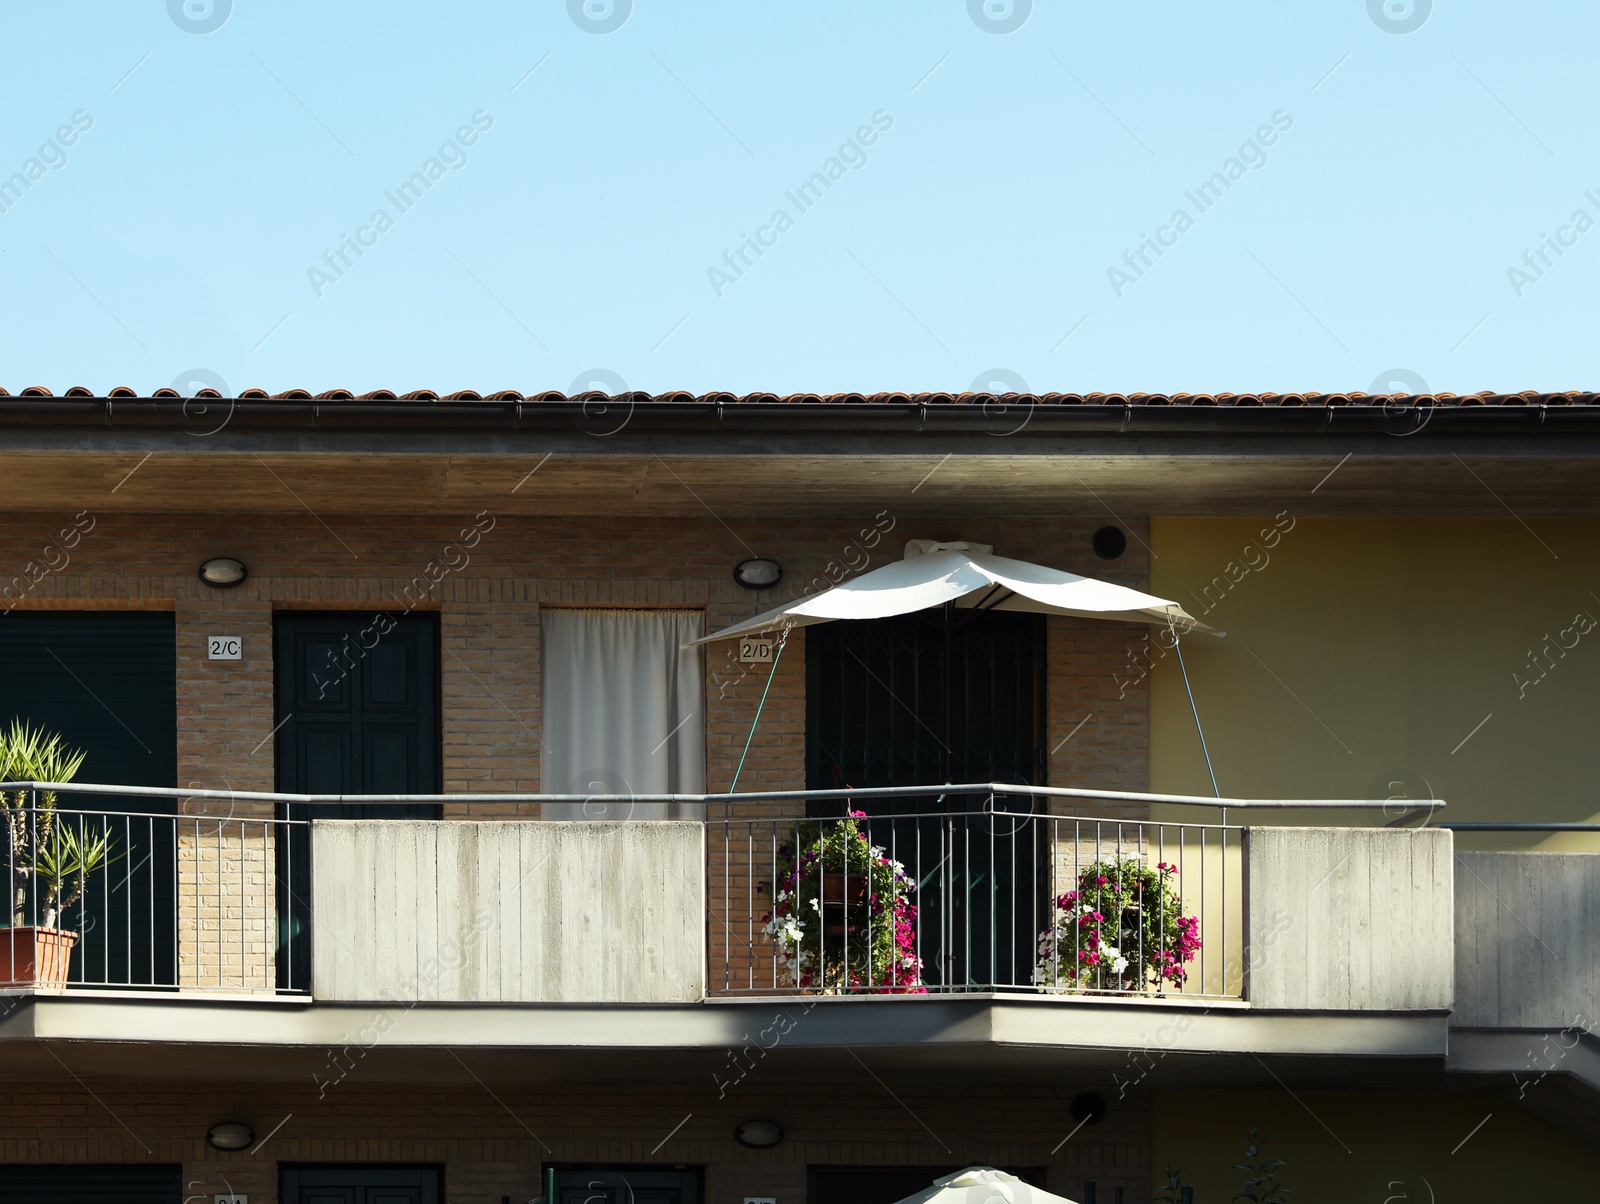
[(358, 713), (930, 698), (358, 700), (107, 682), (91, 1184)]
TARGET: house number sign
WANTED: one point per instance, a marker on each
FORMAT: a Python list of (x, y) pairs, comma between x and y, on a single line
[(224, 647), (757, 650)]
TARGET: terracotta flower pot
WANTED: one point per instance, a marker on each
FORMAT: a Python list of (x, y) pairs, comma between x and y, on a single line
[(844, 902), (35, 959), (844, 891)]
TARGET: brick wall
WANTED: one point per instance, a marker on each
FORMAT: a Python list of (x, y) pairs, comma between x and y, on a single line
[(493, 1138), (489, 602), (1096, 709), (226, 905), (1098, 713)]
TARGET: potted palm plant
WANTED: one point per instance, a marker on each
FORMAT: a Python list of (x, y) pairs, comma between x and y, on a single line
[(50, 860)]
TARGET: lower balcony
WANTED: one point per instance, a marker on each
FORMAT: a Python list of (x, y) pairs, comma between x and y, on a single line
[(970, 932)]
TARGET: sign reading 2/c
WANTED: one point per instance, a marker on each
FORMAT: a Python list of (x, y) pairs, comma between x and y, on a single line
[(224, 647)]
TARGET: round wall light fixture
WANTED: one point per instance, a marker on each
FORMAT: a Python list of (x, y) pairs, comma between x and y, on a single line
[(230, 1135), (758, 1134), (758, 573), (1109, 543), (1088, 1108), (223, 572)]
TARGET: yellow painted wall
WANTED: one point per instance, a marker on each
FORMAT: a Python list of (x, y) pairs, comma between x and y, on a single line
[(1362, 653), (1345, 1147)]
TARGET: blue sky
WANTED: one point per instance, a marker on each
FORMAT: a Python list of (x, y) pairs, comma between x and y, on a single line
[(1010, 172)]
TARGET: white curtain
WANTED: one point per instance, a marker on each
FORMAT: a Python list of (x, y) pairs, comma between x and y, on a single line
[(624, 711)]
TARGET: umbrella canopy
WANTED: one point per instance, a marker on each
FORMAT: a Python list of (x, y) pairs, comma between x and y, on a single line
[(983, 1185), (971, 577)]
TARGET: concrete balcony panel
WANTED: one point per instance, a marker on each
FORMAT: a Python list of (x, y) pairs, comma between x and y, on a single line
[(1348, 919), (508, 912), (1527, 952)]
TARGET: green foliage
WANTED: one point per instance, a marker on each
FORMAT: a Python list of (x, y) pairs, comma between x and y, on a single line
[(1261, 1183), (1122, 928), (63, 862), (30, 754), (1172, 1189), (59, 857), (874, 948)]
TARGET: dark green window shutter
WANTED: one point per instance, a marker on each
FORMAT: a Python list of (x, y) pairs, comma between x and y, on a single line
[(106, 681), (91, 1184)]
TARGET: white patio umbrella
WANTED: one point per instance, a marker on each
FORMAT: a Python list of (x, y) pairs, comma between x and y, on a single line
[(983, 1185), (971, 577)]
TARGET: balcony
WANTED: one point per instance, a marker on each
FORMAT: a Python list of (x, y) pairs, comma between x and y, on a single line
[(943, 932), (969, 891)]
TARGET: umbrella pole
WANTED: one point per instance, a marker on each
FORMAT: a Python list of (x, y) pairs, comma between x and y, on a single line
[(776, 657), (1177, 646), (944, 687)]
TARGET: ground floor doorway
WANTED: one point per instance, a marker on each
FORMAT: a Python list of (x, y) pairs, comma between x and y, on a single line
[(627, 1185), (885, 1185), (360, 1185)]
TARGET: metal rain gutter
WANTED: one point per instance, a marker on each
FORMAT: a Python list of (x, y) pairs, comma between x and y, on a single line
[(1418, 419)]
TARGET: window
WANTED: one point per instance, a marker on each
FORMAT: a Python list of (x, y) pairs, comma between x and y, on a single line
[(623, 711)]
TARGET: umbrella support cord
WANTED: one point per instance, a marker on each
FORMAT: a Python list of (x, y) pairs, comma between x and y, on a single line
[(776, 657), (1177, 646)]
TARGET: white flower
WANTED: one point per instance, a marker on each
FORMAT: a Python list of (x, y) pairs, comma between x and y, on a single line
[(785, 929)]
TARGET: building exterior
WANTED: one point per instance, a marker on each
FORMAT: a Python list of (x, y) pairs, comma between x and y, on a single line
[(539, 960)]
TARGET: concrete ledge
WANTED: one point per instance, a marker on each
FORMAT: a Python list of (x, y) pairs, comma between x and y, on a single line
[(795, 1023), (1527, 1053)]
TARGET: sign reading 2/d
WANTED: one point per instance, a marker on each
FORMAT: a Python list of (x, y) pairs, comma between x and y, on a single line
[(757, 649), (224, 647)]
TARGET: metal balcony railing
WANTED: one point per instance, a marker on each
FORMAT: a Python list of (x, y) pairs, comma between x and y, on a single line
[(982, 887), (100, 898), (969, 893), (979, 887)]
